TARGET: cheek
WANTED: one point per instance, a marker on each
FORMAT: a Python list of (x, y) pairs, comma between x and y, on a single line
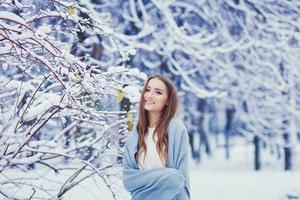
[(163, 101), (145, 95), (143, 100)]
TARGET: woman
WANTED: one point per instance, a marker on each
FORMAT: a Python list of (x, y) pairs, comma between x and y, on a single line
[(155, 163)]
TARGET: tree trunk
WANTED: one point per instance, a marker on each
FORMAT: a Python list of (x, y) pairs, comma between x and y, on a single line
[(229, 118), (227, 152), (203, 136), (257, 164), (287, 153)]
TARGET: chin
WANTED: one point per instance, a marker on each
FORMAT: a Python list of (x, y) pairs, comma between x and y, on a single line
[(147, 109)]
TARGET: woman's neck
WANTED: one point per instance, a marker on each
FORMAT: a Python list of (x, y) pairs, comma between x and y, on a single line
[(153, 118)]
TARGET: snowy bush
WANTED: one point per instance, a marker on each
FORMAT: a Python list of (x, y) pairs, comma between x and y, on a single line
[(60, 110)]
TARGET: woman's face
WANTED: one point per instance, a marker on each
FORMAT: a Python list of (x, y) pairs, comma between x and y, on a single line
[(155, 96)]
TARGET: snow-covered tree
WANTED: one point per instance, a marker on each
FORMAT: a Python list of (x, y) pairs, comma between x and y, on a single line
[(244, 53), (58, 110)]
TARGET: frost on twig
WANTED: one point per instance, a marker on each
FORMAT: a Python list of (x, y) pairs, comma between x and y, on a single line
[(59, 112), (240, 54)]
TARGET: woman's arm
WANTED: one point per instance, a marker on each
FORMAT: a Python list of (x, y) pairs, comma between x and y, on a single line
[(164, 183), (182, 154)]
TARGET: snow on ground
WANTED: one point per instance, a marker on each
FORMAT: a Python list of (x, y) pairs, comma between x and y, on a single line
[(220, 185), (214, 179), (209, 185), (219, 179)]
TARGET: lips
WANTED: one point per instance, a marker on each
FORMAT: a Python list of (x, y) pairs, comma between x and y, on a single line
[(149, 102)]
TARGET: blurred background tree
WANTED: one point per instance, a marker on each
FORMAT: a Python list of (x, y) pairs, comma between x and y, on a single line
[(238, 58)]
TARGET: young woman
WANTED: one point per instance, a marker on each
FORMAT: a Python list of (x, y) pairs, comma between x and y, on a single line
[(155, 163)]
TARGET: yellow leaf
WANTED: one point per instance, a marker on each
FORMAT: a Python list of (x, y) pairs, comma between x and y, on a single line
[(72, 10), (120, 96), (130, 121)]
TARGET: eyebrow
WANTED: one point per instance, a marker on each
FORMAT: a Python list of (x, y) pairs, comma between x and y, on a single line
[(155, 89)]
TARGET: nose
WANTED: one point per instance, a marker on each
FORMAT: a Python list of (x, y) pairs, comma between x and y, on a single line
[(149, 95)]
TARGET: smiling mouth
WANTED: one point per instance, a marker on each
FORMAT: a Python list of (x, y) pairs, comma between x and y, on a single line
[(149, 102)]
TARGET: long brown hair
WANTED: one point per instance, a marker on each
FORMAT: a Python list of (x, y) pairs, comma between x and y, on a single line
[(161, 127)]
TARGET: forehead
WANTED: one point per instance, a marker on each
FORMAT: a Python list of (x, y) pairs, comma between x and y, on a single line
[(157, 84)]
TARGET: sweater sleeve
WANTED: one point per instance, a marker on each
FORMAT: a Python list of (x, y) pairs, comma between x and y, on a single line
[(182, 157)]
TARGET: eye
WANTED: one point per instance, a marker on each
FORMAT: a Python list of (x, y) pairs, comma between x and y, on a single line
[(158, 92), (147, 90)]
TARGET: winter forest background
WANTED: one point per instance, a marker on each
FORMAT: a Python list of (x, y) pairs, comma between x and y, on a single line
[(71, 72)]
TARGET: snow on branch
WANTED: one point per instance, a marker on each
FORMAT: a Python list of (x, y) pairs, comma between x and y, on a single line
[(244, 53), (59, 110)]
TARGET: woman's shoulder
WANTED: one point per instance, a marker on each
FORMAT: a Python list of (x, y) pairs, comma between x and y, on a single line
[(177, 123), (177, 132), (177, 128)]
